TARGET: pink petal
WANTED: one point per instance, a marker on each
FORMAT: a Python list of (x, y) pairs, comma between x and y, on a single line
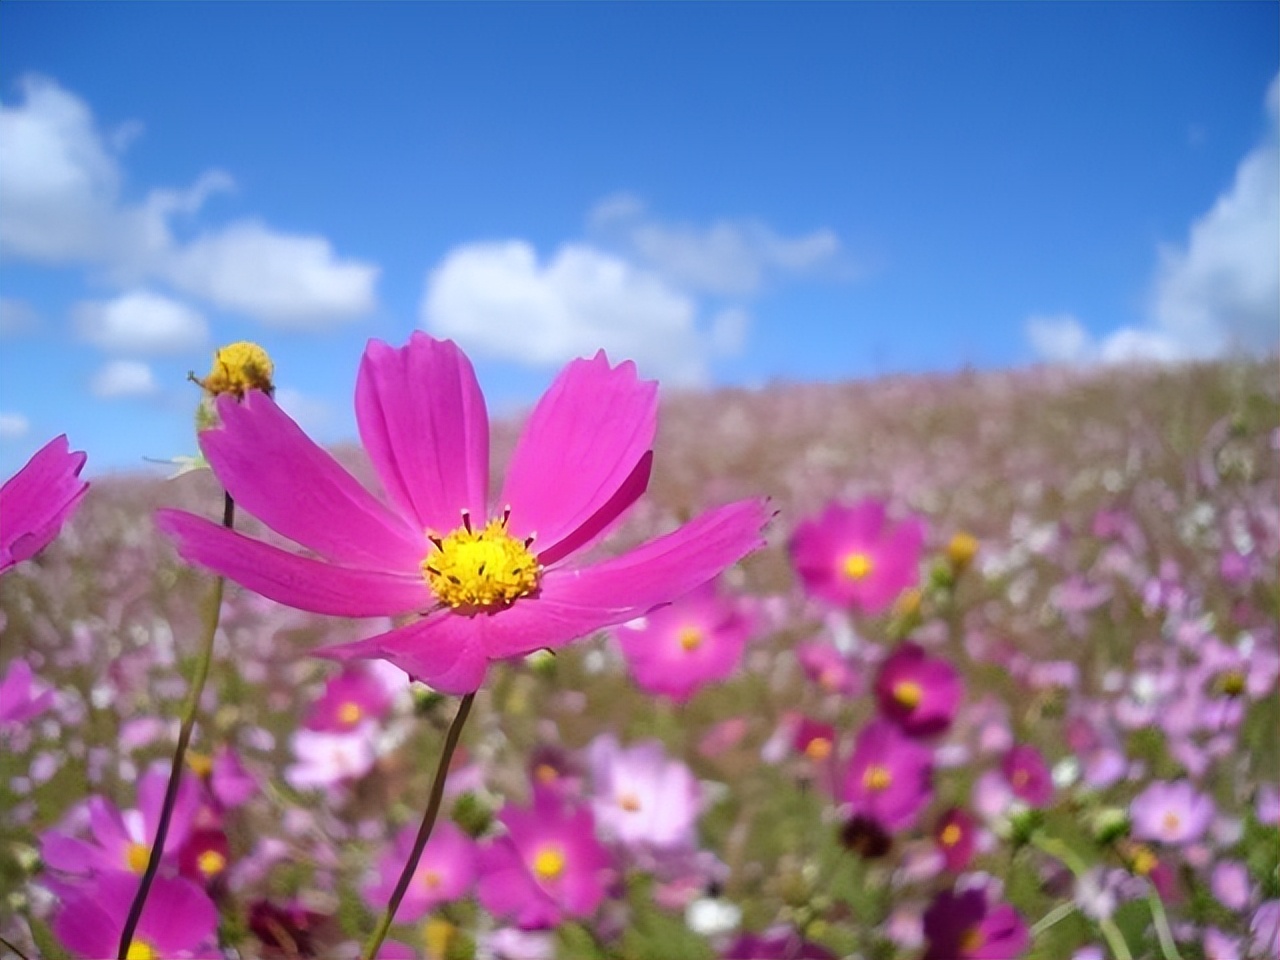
[(422, 419), (37, 500), (295, 581), (582, 444), (443, 650), (278, 474)]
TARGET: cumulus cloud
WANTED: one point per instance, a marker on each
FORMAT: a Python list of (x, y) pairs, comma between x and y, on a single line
[(141, 322), (13, 426), (728, 258), (16, 316), (1215, 293), (61, 202), (498, 300), (310, 413), (123, 378)]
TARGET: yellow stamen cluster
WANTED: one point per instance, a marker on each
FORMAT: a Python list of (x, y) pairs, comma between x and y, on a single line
[(211, 863), (908, 693), (629, 802), (239, 368), (141, 950), (431, 879), (476, 571), (549, 863), (136, 856), (858, 566), (201, 764), (951, 835), (349, 714), (438, 935), (1170, 822), (690, 639), (1232, 683), (971, 941), (877, 777), (1142, 860), (961, 550), (819, 748)]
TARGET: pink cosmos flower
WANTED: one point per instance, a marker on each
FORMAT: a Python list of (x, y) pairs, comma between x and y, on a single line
[(918, 692), (121, 840), (22, 697), (827, 667), (480, 581), (37, 500), (956, 835), (548, 867), (641, 797), (890, 776), (446, 871), (1174, 813), (852, 557), (178, 921), (1028, 775), (963, 926), (350, 698), (678, 649)]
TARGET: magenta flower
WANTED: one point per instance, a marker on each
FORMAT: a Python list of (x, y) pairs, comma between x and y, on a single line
[(37, 500), (1174, 813), (178, 920), (641, 797), (480, 581), (963, 926), (827, 667), (22, 697), (446, 871), (678, 649), (350, 698), (918, 692), (1028, 775), (548, 867), (956, 835), (890, 776), (121, 840), (852, 557)]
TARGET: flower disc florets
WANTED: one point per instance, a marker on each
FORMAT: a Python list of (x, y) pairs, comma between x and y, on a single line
[(475, 571), (238, 368)]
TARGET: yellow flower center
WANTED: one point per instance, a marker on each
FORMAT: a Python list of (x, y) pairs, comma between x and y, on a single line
[(1170, 821), (819, 748), (549, 863), (545, 773), (136, 856), (474, 571), (1232, 683), (431, 879), (1144, 861), (877, 777), (141, 950), (971, 940), (438, 935), (211, 863), (349, 713), (857, 565), (201, 764), (629, 802), (962, 549), (950, 835), (690, 638), (908, 693), (238, 368)]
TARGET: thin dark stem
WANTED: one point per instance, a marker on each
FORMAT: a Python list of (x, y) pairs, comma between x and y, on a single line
[(189, 709), (17, 952), (424, 831)]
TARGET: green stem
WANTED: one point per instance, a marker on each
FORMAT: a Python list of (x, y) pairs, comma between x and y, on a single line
[(1056, 848), (189, 709), (1163, 930), (424, 831), (1054, 916)]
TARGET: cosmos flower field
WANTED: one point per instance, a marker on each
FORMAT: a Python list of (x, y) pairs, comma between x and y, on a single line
[(1004, 681)]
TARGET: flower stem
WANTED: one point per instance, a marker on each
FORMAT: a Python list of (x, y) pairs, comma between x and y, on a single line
[(1053, 917), (424, 831), (1056, 848), (1161, 919), (189, 708)]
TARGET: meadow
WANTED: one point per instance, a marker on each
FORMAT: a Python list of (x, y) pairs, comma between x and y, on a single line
[(1093, 613)]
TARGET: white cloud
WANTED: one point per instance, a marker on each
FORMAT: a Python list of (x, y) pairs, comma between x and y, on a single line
[(60, 202), (1216, 293), (283, 279), (16, 316), (13, 426), (123, 378), (729, 257), (141, 322), (496, 299)]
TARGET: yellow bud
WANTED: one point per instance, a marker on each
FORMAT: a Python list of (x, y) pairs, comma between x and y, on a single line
[(961, 550), (238, 368)]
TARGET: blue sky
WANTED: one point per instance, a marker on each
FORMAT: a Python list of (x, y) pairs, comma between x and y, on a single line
[(729, 194)]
